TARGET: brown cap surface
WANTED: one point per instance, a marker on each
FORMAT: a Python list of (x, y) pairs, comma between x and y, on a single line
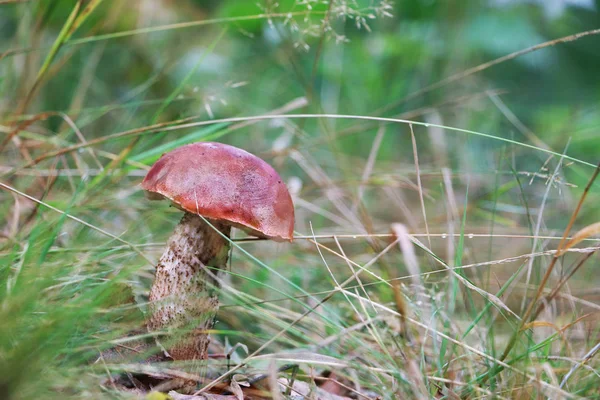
[(222, 182)]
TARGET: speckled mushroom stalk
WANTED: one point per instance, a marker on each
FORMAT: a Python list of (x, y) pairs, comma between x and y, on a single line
[(184, 293), (229, 187)]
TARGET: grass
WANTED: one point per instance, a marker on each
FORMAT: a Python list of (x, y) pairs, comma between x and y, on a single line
[(431, 257)]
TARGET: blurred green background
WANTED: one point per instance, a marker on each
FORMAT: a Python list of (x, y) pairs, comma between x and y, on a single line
[(246, 67), (68, 78)]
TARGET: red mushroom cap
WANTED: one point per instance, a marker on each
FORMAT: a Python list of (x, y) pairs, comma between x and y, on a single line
[(224, 183)]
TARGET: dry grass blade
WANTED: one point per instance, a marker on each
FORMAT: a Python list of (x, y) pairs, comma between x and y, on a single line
[(562, 282), (23, 125), (412, 265), (589, 355), (515, 120), (370, 164), (470, 235), (550, 268), (545, 385), (580, 236), (416, 158), (337, 242), (538, 226), (337, 284), (292, 324), (488, 296), (358, 314), (182, 124)]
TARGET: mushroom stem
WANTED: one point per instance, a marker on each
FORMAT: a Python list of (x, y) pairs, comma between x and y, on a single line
[(184, 295)]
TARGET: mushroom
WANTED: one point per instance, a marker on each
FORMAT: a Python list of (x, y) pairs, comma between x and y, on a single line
[(228, 187)]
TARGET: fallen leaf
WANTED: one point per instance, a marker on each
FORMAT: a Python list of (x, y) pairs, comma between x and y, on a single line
[(302, 390), (237, 381), (206, 396)]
